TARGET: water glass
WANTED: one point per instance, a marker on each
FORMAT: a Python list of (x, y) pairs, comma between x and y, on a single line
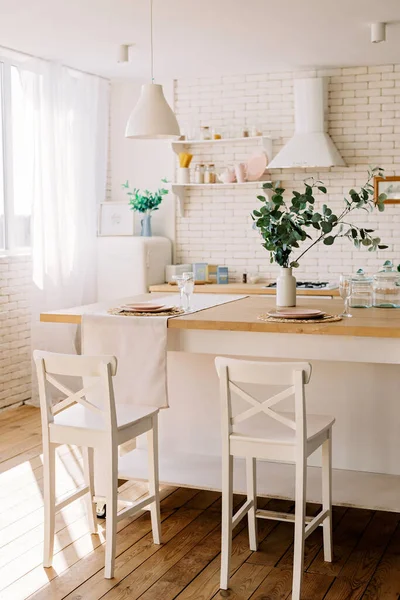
[(188, 288), (345, 287), (180, 282)]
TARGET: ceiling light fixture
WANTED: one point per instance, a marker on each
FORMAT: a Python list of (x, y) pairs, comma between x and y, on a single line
[(152, 117), (123, 53), (378, 32)]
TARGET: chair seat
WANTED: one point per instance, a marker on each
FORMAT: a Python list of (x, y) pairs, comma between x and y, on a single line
[(83, 418), (269, 431)]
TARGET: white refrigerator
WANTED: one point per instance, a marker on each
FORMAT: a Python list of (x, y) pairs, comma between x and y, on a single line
[(129, 265)]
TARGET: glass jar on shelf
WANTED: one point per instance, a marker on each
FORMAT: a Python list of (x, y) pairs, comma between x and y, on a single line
[(386, 287), (216, 133), (199, 173), (209, 174), (205, 133), (361, 290)]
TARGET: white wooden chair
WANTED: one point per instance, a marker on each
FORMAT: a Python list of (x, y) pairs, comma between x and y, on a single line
[(76, 420), (286, 437)]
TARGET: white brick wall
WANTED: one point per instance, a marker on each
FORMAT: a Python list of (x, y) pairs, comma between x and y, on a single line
[(15, 323), (364, 122)]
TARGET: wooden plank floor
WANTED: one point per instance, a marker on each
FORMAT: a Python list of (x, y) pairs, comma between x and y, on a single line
[(186, 566)]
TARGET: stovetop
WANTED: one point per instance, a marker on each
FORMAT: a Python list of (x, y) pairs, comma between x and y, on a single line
[(310, 285)]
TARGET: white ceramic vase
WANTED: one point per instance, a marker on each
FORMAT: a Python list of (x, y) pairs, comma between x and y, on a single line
[(286, 288)]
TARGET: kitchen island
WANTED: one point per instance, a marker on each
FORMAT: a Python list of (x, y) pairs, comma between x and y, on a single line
[(257, 289), (355, 378)]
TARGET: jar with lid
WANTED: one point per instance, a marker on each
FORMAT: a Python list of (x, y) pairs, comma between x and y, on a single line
[(205, 133), (361, 290), (199, 173), (209, 174), (386, 287)]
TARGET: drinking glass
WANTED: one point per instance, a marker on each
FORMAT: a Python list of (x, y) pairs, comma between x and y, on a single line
[(180, 282), (188, 288), (345, 285)]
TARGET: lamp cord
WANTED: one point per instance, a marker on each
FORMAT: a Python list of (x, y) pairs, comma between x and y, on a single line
[(151, 41)]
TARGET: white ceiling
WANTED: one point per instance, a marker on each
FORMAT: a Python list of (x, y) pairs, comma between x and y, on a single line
[(201, 37)]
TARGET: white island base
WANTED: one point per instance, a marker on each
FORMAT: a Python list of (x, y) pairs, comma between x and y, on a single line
[(366, 446)]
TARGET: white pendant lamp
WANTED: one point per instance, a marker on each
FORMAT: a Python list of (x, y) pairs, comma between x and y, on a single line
[(152, 117)]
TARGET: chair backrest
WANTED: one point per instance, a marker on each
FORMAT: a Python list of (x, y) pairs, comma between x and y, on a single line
[(295, 375), (99, 370)]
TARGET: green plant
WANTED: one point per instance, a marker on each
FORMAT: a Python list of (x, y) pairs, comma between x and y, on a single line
[(283, 226), (145, 201)]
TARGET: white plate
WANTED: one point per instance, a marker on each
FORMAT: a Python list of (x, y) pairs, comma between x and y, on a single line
[(146, 310), (142, 306)]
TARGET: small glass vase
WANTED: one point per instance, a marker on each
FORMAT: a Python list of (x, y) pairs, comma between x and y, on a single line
[(146, 225)]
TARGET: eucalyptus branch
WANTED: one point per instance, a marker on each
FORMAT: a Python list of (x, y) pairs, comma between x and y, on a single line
[(283, 226)]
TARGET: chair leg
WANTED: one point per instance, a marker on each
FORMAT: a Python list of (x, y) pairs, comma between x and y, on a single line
[(251, 476), (227, 501), (327, 496), (299, 527), (49, 486), (154, 486), (112, 509), (88, 467)]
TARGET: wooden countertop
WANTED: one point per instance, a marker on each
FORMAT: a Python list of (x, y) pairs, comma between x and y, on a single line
[(240, 288), (242, 315)]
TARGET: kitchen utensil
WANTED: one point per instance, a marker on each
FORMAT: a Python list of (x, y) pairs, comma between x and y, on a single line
[(296, 313), (183, 175), (185, 159), (256, 166), (241, 172), (228, 176)]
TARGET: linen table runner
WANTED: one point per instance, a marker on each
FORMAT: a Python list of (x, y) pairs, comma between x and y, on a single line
[(140, 345)]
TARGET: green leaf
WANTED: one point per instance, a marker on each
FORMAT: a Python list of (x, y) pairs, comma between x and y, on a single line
[(383, 247), (268, 186), (262, 198), (294, 264), (328, 241), (322, 189), (326, 227)]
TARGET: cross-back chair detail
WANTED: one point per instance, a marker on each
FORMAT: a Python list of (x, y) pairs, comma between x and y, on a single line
[(73, 397), (67, 423), (267, 442), (264, 407)]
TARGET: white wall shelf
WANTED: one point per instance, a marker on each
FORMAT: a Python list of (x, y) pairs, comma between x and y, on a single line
[(263, 140), (179, 189)]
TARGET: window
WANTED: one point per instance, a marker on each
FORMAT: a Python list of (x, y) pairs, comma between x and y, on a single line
[(15, 197)]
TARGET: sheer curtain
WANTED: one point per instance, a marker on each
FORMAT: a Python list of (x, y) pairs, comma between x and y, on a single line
[(60, 130)]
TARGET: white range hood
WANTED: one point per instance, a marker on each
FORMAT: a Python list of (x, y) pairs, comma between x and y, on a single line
[(310, 146)]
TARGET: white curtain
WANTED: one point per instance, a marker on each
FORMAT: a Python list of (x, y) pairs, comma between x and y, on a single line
[(60, 123)]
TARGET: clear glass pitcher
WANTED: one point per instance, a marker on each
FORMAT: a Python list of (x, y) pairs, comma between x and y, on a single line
[(386, 287), (361, 290)]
